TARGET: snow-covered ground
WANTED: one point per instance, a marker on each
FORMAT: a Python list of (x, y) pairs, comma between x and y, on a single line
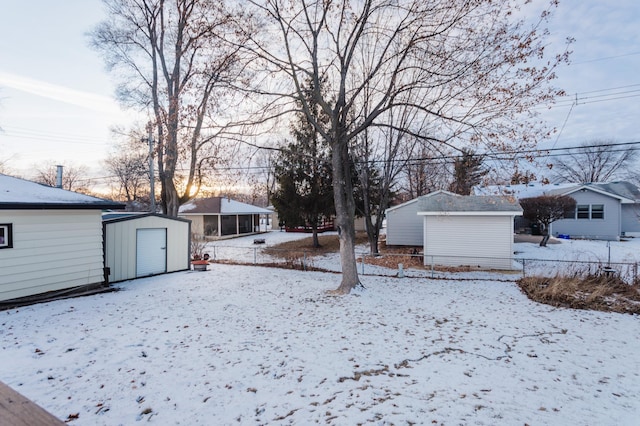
[(254, 345)]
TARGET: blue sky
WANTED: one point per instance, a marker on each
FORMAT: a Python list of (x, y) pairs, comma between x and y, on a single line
[(56, 103)]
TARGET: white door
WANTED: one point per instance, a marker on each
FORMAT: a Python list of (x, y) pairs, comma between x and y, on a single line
[(151, 251)]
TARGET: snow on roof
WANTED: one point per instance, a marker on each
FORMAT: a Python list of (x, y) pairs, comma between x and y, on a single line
[(453, 203), (18, 193), (520, 191), (625, 191), (220, 205)]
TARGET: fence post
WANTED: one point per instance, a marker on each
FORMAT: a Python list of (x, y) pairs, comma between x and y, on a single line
[(304, 260), (432, 266), (524, 272), (363, 257)]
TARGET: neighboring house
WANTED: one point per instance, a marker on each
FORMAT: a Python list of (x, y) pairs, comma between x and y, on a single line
[(51, 240), (456, 230), (143, 244), (220, 217), (604, 211)]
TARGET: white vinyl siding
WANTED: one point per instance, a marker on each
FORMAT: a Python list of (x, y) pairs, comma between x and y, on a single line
[(52, 250), (404, 226), (120, 245), (469, 240)]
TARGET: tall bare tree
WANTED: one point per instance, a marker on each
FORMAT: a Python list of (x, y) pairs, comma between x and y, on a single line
[(595, 161), (128, 166), (466, 66), (174, 61)]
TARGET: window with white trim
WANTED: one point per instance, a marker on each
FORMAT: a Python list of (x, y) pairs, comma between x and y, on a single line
[(6, 235), (587, 211), (597, 211)]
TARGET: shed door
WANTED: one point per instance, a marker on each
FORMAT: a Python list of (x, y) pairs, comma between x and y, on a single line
[(151, 251)]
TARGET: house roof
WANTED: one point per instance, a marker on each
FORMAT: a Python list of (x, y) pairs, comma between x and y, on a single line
[(626, 192), (219, 205), (454, 204), (20, 194)]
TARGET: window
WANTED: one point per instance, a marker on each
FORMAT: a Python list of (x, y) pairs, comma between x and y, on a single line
[(583, 211), (589, 211), (6, 235), (597, 211), (570, 214)]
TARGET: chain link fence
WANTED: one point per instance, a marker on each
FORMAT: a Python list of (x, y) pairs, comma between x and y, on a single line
[(420, 266)]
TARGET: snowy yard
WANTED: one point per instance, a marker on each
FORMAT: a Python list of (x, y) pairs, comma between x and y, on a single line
[(253, 345)]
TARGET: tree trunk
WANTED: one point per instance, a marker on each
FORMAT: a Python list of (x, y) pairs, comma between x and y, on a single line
[(345, 212)]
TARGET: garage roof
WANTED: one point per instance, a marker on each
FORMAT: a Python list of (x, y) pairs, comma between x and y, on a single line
[(20, 194), (453, 204)]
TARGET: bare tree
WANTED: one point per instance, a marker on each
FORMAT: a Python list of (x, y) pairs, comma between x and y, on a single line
[(128, 166), (596, 161), (460, 64), (173, 60), (426, 171), (74, 177), (545, 210)]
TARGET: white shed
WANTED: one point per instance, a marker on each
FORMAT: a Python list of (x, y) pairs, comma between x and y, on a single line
[(468, 230), (50, 240), (139, 245)]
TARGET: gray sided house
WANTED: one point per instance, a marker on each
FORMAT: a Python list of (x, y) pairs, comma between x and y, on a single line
[(404, 226), (468, 230), (50, 240), (143, 244), (220, 217), (604, 211)]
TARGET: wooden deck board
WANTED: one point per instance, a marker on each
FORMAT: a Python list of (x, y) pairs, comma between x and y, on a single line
[(17, 410)]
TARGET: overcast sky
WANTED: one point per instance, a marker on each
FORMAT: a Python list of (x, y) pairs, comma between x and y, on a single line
[(56, 99)]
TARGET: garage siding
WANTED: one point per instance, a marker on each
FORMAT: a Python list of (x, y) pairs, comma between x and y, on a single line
[(52, 250), (485, 241), (120, 245), (404, 226)]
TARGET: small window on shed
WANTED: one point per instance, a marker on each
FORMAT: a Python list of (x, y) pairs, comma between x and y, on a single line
[(583, 211), (6, 235), (597, 211)]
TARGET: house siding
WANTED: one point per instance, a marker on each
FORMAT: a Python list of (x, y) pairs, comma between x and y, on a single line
[(52, 250), (404, 226), (120, 245), (630, 218), (608, 228), (485, 241)]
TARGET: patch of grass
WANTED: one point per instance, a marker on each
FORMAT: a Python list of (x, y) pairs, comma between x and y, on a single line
[(295, 249), (593, 292)]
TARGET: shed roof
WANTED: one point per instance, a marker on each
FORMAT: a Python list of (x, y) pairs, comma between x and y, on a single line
[(21, 194), (220, 205), (468, 204), (112, 217)]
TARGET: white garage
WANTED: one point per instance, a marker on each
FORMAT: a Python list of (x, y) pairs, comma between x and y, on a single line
[(468, 230), (141, 245)]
